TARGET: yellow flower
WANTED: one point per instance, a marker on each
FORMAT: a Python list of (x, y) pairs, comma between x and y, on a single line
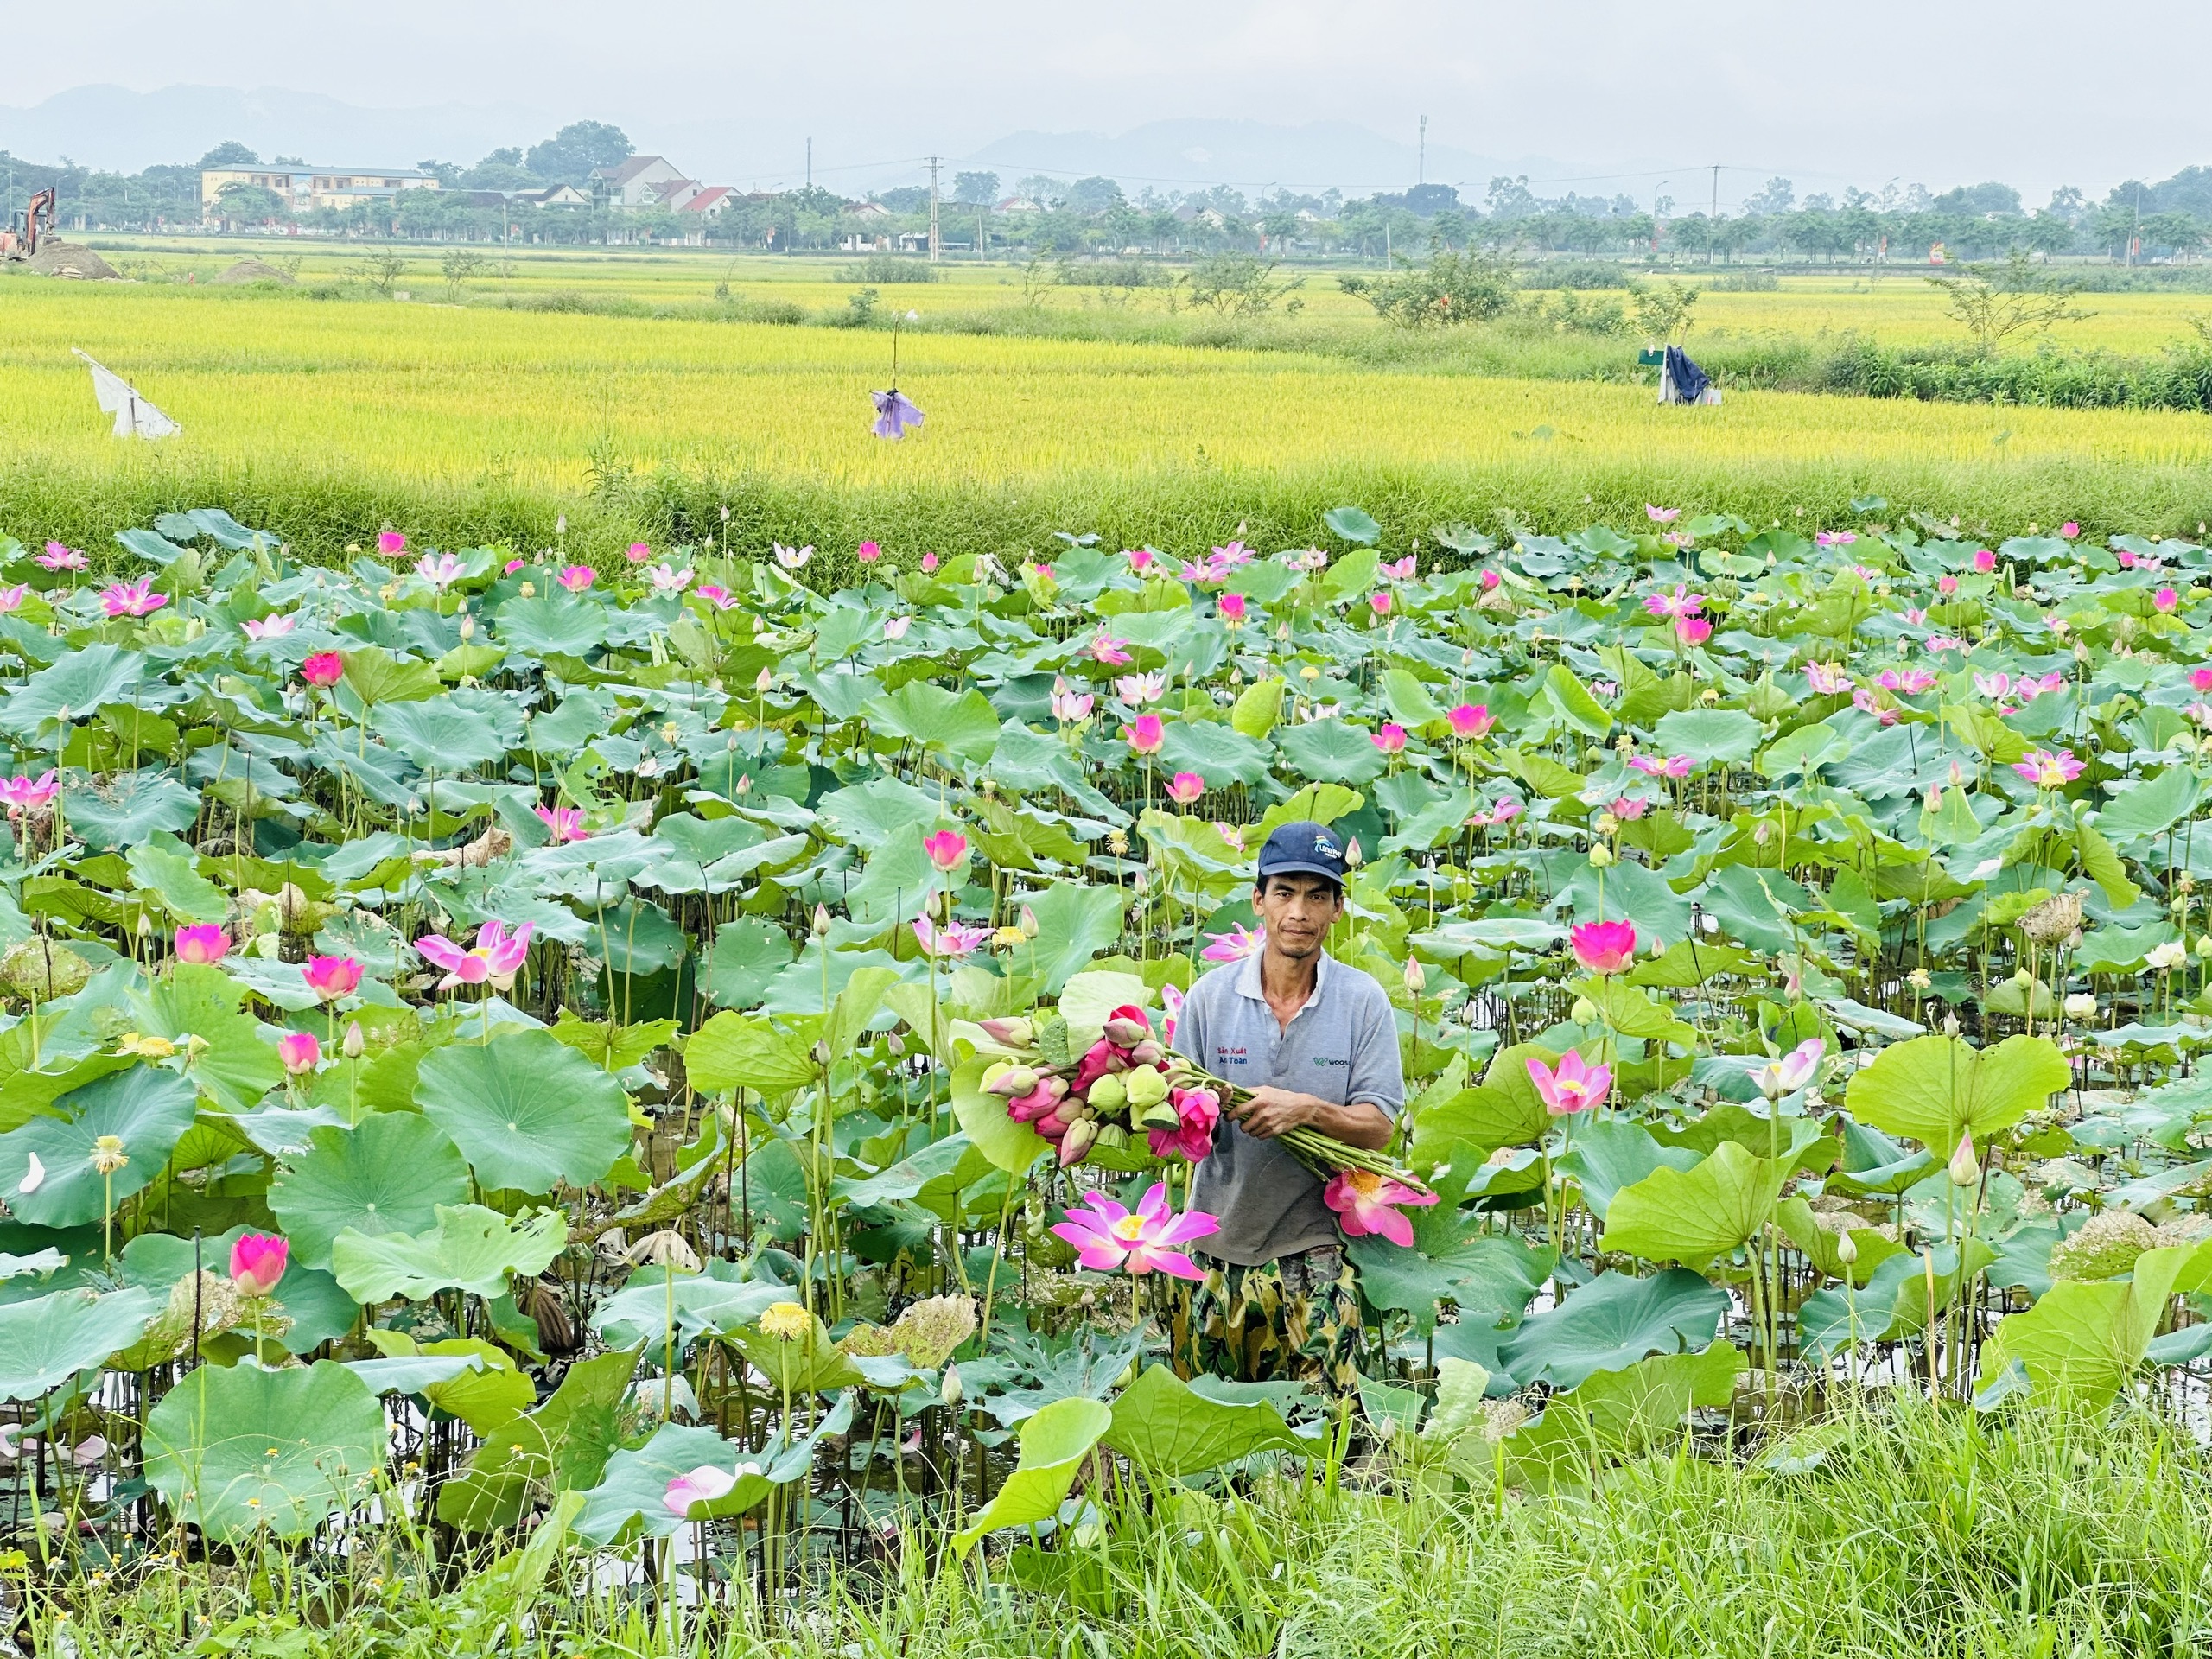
[(787, 1322), (152, 1048), (108, 1155)]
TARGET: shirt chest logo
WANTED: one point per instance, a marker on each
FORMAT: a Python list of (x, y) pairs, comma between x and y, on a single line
[(1229, 1056)]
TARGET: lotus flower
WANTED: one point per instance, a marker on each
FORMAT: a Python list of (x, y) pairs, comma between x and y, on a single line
[(1380, 602), (1367, 1203), (1106, 1236), (705, 1485), (667, 579), (1391, 739), (1109, 652), (1399, 569), (1604, 947), (1693, 630), (1197, 1112), (1826, 679), (2165, 599), (268, 627), (1680, 603), (1471, 719), (870, 552), (324, 668), (953, 939), (947, 849), (793, 558), (564, 823), (576, 578), (1145, 735), (1835, 537), (1490, 580), (1073, 706), (2046, 770), (1170, 1005), (11, 598), (1185, 787), (1138, 689), (1661, 515), (258, 1262), (1792, 1071), (1670, 766), (894, 414), (204, 943), (441, 572), (59, 558), (390, 543), (21, 794), (1577, 1086), (1231, 609), (1236, 944), (894, 627), (2200, 679), (132, 598), (299, 1051), (1984, 560), (332, 977), (494, 959)]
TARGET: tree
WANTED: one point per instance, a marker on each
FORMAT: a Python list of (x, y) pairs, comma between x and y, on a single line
[(906, 199), (1430, 200), (2179, 231), (380, 270), (1041, 189), (460, 265), (569, 155), (976, 189), (249, 203), (1510, 198), (1093, 196), (1238, 285), (1996, 302), (1662, 309), (1456, 288), (1981, 199), (229, 153), (1776, 196)]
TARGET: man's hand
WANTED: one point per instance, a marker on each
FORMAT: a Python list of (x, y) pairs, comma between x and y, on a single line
[(1272, 1110)]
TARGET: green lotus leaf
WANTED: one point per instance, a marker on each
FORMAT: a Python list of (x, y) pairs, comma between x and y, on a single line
[(527, 1111), (1695, 1215), (470, 1249), (1935, 1089), (1165, 1427), (562, 1446), (1612, 1322), (390, 1174), (1055, 1440), (147, 1109), (234, 1449), (629, 1502), (46, 1342)]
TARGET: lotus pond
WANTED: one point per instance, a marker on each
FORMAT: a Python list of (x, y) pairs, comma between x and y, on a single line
[(540, 1106)]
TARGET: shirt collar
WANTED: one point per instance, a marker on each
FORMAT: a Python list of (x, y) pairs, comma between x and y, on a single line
[(1247, 979)]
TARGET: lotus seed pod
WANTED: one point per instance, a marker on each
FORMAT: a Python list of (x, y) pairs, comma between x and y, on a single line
[(41, 971)]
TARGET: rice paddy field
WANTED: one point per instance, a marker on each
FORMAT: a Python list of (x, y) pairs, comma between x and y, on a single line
[(474, 418)]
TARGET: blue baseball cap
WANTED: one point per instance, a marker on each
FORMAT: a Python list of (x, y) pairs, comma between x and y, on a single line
[(1304, 848)]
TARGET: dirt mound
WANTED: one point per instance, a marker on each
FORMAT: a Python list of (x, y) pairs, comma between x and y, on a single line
[(253, 270), (68, 260)]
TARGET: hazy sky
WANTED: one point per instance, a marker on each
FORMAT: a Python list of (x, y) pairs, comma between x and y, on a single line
[(1935, 91)]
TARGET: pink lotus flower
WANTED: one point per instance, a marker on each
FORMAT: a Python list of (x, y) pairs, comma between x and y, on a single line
[(1946, 585), (1113, 653), (1145, 735), (258, 1262), (953, 939), (1138, 689), (1661, 515), (58, 557), (511, 567), (1367, 1202), (1197, 1110), (718, 596), (269, 628), (1792, 1071), (1693, 630), (1236, 944), (638, 552), (1391, 739), (2165, 599), (1185, 787), (1171, 1004), (1914, 615), (576, 578), (1491, 578), (1911, 681), (1399, 569), (1577, 1086), (132, 598), (1379, 602), (1672, 766), (1108, 1236), (1604, 947), (1231, 608), (441, 572), (2200, 678), (1073, 706), (1504, 812), (705, 1485), (1939, 643), (323, 670), (667, 579), (20, 794), (1867, 703), (870, 552), (205, 944), (1835, 538), (494, 959), (332, 977), (947, 849), (299, 1051), (1470, 719), (1826, 679), (1680, 603), (1629, 808), (895, 628), (565, 823), (2046, 770), (11, 598), (390, 543), (929, 563)]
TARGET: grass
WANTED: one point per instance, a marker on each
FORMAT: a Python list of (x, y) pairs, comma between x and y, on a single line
[(1923, 1533), (326, 421)]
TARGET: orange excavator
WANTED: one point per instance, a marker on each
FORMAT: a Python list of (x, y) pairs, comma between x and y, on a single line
[(20, 239)]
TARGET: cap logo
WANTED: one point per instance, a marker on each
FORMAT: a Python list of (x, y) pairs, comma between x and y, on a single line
[(1323, 845)]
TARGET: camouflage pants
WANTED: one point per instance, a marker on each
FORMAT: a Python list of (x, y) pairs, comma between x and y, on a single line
[(1295, 1319)]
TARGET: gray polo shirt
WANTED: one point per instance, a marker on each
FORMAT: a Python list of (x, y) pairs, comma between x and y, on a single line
[(1342, 1046)]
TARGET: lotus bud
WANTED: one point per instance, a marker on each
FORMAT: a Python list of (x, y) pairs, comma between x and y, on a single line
[(1600, 856), (1028, 923), (1014, 1081), (1125, 1033), (1143, 1087), (1148, 1052), (1584, 1011), (996, 1073), (1076, 1144), (1109, 1094), (821, 921), (1846, 1249), (820, 1052), (1416, 976), (896, 1043), (948, 1391), (1353, 857), (354, 1043), (1013, 1033), (2081, 1008), (1160, 1115), (1062, 1115), (1966, 1169), (1951, 1025)]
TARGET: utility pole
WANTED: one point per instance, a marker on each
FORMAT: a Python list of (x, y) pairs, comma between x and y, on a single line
[(809, 161), (933, 162), (1716, 191), (1420, 167)]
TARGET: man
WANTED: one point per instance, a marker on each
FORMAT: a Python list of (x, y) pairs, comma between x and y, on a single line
[(1314, 1043)]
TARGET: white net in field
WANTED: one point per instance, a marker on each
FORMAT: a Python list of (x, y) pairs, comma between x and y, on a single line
[(134, 417)]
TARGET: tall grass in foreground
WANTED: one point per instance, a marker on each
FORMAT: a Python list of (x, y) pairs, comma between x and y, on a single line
[(1918, 1532)]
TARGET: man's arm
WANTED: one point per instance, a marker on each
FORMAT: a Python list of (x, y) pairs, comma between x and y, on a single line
[(1271, 1111)]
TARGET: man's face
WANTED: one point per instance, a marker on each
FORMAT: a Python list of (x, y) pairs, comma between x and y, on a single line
[(1299, 911)]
